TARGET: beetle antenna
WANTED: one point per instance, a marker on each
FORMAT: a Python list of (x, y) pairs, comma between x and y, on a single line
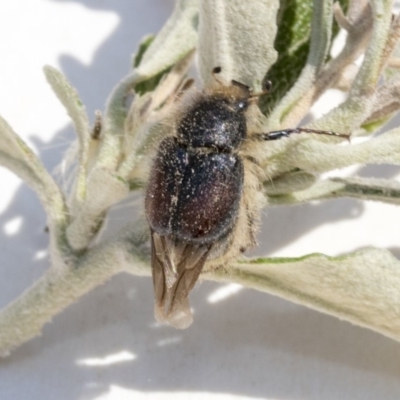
[(276, 135)]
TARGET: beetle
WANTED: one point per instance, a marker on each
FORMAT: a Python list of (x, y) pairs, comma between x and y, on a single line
[(204, 194)]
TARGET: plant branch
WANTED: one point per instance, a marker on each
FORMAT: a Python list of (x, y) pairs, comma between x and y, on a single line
[(25, 317), (358, 106)]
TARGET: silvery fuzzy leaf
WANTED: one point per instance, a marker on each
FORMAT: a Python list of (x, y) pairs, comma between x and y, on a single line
[(173, 42), (176, 39), (224, 27), (360, 287), (69, 98), (104, 189), (20, 159), (317, 157), (383, 190)]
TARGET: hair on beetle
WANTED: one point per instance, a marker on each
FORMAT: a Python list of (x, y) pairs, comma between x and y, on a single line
[(204, 195)]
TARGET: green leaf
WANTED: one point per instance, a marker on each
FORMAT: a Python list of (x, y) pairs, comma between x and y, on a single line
[(293, 45), (150, 84), (291, 106), (143, 46)]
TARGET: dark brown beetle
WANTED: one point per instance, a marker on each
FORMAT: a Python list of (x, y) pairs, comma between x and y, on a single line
[(204, 196)]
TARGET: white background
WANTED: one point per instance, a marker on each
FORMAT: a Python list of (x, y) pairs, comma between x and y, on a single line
[(243, 344)]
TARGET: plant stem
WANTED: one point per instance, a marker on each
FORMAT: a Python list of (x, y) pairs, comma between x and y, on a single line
[(25, 317)]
